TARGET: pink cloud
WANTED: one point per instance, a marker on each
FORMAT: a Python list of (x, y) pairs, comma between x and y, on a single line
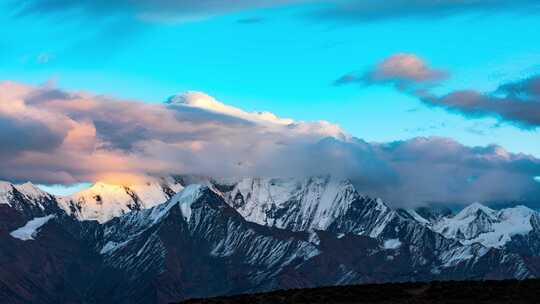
[(404, 71), (75, 136), (405, 67), (54, 136)]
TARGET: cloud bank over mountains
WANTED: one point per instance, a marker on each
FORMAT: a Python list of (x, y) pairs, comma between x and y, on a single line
[(54, 136), (70, 137)]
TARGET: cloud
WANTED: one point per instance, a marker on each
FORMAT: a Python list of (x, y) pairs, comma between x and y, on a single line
[(21, 134), (516, 102), (404, 71), (440, 169), (76, 136), (203, 101), (375, 10), (146, 10), (24, 128), (53, 136), (336, 10)]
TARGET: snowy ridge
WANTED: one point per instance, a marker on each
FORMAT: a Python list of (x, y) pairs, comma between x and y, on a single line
[(103, 202), (130, 226), (417, 217), (480, 224), (297, 204), (28, 190), (328, 204), (212, 222), (28, 200), (184, 199), (458, 255), (187, 197), (6, 192)]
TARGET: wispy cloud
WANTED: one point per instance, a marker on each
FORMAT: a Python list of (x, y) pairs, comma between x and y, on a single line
[(375, 10), (336, 10), (516, 102), (146, 10)]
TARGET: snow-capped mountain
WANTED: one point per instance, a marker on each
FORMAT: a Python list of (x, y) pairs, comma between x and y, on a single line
[(188, 237), (315, 203), (103, 201), (27, 200), (514, 228), (334, 205)]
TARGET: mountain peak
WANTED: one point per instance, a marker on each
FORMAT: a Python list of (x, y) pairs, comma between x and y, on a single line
[(104, 201), (313, 202), (473, 209), (519, 209), (5, 186), (187, 197), (103, 186), (27, 189), (102, 189), (31, 190)]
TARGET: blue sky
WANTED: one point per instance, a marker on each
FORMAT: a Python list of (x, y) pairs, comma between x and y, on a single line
[(282, 59), (285, 64)]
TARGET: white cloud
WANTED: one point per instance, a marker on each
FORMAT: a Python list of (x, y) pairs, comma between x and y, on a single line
[(204, 101)]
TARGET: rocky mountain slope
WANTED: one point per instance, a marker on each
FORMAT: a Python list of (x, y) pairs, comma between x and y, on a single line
[(516, 229), (180, 238)]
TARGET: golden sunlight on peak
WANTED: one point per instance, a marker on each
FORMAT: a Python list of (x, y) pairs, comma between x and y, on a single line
[(121, 179)]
